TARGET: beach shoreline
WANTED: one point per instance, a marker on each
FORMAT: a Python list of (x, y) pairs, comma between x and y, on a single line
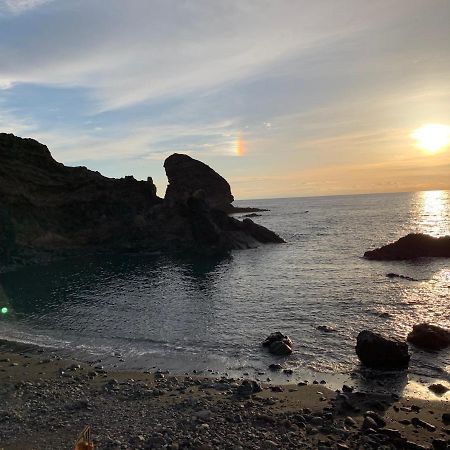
[(47, 400)]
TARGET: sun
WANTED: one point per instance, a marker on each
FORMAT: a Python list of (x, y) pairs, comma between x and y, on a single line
[(432, 137)]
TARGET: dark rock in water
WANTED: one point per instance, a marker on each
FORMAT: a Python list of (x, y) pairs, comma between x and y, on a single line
[(378, 352), (403, 277), (48, 210), (438, 389), (252, 215), (245, 209), (278, 344), (412, 246), (326, 329), (429, 337), (275, 367), (260, 233), (187, 176)]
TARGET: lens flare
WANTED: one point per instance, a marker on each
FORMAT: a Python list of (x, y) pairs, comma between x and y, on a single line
[(4, 310), (239, 147), (432, 137)]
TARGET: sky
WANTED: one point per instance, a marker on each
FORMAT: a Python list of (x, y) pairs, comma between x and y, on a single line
[(283, 98)]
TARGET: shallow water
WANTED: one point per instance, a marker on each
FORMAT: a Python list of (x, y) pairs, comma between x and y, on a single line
[(182, 312)]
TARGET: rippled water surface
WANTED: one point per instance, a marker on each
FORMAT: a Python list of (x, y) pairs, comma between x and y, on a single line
[(184, 312)]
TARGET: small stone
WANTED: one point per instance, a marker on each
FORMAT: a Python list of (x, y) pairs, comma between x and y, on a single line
[(421, 423), (369, 423), (269, 445), (391, 432), (439, 444), (316, 421), (377, 418), (350, 422), (438, 389)]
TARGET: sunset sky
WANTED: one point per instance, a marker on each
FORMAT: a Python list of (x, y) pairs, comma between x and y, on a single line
[(283, 98)]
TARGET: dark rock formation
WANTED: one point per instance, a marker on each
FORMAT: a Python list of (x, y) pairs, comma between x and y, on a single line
[(246, 209), (326, 329), (378, 352), (429, 337), (48, 209), (278, 344), (252, 215), (187, 176), (403, 277), (412, 246)]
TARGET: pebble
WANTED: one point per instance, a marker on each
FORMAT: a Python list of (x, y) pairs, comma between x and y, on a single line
[(350, 422), (438, 389), (421, 423)]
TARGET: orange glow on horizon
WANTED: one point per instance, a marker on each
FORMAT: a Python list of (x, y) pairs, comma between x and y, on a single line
[(240, 147)]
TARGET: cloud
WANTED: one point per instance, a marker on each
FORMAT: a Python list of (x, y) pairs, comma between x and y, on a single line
[(146, 50), (20, 6)]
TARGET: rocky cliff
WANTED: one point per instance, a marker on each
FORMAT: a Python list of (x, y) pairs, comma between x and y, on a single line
[(48, 209)]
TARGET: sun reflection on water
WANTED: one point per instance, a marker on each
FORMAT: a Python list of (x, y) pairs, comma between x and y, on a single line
[(432, 212)]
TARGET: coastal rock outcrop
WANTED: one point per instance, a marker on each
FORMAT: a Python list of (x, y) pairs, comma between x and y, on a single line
[(49, 210), (187, 176), (429, 337), (378, 352), (278, 344), (414, 245)]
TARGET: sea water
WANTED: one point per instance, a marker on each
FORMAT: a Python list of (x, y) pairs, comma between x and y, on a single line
[(182, 312)]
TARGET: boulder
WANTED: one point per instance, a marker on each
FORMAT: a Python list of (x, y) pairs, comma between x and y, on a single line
[(278, 344), (429, 337), (187, 176), (412, 246), (378, 352)]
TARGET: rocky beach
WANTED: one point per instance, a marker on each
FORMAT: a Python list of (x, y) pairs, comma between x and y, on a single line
[(46, 401)]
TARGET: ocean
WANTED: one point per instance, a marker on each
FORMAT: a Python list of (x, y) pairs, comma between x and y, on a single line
[(184, 312)]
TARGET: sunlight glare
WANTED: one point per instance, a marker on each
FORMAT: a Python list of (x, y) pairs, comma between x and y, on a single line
[(433, 211), (432, 137)]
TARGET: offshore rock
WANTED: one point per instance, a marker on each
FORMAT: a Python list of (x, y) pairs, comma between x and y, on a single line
[(278, 344), (48, 210), (378, 352), (187, 176), (429, 337), (412, 246)]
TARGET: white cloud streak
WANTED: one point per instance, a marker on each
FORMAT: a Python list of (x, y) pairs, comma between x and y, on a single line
[(20, 6)]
